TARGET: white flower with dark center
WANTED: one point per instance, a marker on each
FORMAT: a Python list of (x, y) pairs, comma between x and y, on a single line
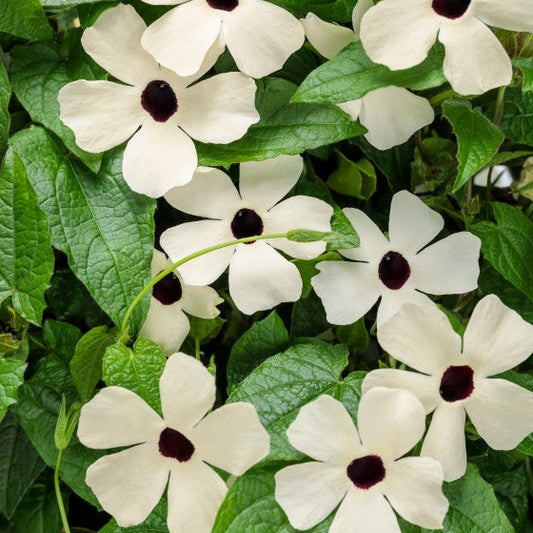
[(362, 470), (390, 114), (398, 268), (173, 449), (501, 177), (157, 107), (399, 34), (259, 35), (259, 276), (454, 380), (166, 322)]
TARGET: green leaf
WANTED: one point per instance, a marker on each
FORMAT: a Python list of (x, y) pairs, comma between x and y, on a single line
[(308, 318), (287, 381), (205, 329), (11, 378), (250, 506), (62, 337), (508, 245), (308, 270), (105, 229), (5, 95), (26, 258), (67, 3), (19, 465), (283, 129), (525, 64), (478, 138), (86, 365), (265, 338), (38, 511), (38, 72), (354, 336), (343, 234), (351, 74), (37, 411), (517, 121), (24, 18), (138, 370), (356, 179), (336, 10)]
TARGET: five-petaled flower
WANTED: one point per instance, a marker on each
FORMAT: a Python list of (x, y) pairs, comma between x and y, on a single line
[(390, 114), (454, 380), (161, 154), (399, 267), (166, 322), (399, 34), (260, 35), (259, 276), (173, 449), (361, 468)]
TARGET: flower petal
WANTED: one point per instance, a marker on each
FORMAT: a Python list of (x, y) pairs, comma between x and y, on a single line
[(261, 36), (232, 438), (219, 109), (358, 12), (114, 42), (514, 17), (89, 108), (421, 337), (412, 224), (474, 61), (390, 421), (328, 39), (501, 177), (158, 157), (353, 108), (187, 391), (117, 417), (261, 278), (425, 388), (497, 338), (166, 324), (413, 487), (128, 484), (373, 512), (190, 237), (298, 212), (210, 193), (324, 430), (392, 301), (392, 114), (195, 493), (373, 244), (266, 182), (450, 266), (308, 492), (181, 38), (347, 290), (445, 439), (200, 301), (399, 34), (501, 412)]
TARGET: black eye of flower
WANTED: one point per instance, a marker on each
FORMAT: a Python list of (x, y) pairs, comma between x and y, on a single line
[(394, 270), (246, 223), (365, 472), (174, 444), (168, 290), (224, 5), (452, 9), (159, 100)]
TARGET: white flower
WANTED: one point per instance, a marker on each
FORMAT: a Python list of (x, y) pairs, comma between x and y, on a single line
[(361, 470), (390, 114), (166, 323), (501, 177), (259, 276), (399, 267), (161, 154), (454, 381), (399, 34), (260, 35), (173, 449)]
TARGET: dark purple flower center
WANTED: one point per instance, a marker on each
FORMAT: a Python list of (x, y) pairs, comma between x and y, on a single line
[(174, 444), (225, 5), (167, 290), (451, 9), (394, 270), (246, 223), (457, 383), (159, 100), (366, 471)]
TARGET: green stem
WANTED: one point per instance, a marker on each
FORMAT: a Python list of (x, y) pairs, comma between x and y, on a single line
[(498, 109), (170, 269), (58, 493), (439, 98), (197, 347)]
